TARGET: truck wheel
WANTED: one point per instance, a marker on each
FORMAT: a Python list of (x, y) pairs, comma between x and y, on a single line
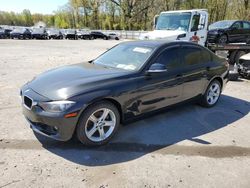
[(232, 57)]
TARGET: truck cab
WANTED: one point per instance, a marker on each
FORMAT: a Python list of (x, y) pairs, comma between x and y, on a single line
[(180, 25)]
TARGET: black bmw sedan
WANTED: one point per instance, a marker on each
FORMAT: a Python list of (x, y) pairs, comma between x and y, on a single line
[(229, 31), (132, 79)]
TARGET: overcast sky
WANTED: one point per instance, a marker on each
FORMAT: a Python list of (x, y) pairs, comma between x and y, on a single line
[(35, 6)]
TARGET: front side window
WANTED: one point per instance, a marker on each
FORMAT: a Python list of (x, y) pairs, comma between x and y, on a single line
[(237, 25), (170, 58), (127, 57), (195, 22)]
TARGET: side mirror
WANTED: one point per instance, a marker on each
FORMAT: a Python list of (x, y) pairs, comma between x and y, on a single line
[(157, 68)]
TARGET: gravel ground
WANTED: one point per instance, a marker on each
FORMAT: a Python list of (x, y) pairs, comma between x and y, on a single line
[(187, 146)]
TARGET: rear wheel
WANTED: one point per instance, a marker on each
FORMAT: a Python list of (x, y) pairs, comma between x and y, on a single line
[(98, 124), (212, 94)]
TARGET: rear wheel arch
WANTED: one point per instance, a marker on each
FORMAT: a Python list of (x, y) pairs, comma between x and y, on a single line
[(218, 79)]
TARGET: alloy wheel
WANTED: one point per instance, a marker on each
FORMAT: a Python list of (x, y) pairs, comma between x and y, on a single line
[(213, 93), (100, 125)]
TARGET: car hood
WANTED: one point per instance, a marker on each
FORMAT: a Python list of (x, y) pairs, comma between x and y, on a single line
[(68, 81), (216, 30), (162, 34)]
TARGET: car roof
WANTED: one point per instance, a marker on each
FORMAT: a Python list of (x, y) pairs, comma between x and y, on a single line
[(245, 57), (157, 43)]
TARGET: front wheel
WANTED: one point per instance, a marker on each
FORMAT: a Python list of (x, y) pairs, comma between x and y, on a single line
[(212, 94), (223, 39), (98, 124)]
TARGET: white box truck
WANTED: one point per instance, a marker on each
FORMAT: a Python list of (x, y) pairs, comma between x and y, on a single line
[(180, 25)]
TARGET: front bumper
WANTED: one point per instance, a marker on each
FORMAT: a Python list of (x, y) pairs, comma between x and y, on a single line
[(38, 36), (53, 125), (212, 38)]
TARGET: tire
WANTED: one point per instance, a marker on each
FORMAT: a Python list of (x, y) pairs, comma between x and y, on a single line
[(248, 40), (223, 39), (232, 57), (85, 124), (206, 99)]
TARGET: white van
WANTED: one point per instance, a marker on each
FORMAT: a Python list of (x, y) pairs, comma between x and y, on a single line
[(180, 25)]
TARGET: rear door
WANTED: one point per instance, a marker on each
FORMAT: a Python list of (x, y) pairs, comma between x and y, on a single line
[(196, 65)]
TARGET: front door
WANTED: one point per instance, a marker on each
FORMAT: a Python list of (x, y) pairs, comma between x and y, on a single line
[(196, 63), (198, 28), (161, 89)]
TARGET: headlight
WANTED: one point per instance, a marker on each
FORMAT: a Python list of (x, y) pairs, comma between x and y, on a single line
[(56, 106)]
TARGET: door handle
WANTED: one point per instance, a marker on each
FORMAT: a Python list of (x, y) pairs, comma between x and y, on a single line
[(179, 76)]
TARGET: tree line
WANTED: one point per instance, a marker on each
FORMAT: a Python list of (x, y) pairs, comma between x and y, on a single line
[(124, 14)]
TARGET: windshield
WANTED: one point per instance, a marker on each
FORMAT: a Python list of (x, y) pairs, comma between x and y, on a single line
[(221, 25), (53, 31), (38, 30), (174, 21), (123, 56), (71, 31), (19, 30)]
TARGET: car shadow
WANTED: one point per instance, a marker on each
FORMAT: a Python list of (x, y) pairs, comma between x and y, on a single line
[(156, 133)]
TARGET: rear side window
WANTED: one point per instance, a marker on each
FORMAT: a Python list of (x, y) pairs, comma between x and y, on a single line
[(169, 57), (191, 55), (205, 56), (246, 25)]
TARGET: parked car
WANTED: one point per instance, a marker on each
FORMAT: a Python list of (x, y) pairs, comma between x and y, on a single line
[(229, 31), (244, 66), (20, 33), (83, 34), (113, 36), (54, 34), (39, 33), (99, 35), (131, 79), (2, 34), (5, 33), (71, 34)]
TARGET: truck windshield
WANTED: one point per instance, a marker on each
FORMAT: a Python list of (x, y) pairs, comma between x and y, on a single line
[(174, 21)]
